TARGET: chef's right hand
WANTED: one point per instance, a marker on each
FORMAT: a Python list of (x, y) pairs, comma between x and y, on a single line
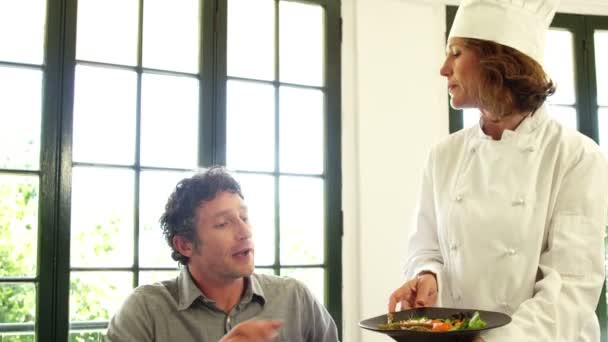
[(418, 292), (254, 331)]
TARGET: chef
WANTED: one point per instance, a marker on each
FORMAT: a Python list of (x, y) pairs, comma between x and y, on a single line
[(512, 211)]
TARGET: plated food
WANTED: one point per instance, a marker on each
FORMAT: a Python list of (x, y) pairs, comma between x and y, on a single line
[(458, 321), (401, 327)]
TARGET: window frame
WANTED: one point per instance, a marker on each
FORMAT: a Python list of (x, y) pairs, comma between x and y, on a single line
[(332, 159), (55, 174)]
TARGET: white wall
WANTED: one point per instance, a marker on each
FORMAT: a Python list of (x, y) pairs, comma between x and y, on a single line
[(394, 108)]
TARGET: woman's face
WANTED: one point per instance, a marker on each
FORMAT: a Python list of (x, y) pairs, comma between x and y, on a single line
[(461, 68)]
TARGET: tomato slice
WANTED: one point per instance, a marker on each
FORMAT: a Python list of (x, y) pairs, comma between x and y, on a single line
[(441, 326)]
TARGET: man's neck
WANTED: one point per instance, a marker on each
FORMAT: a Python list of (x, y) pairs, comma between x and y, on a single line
[(226, 293)]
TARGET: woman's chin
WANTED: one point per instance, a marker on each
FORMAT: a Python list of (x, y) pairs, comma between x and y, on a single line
[(457, 104)]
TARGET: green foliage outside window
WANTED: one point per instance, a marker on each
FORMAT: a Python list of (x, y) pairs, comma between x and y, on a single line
[(18, 237), (18, 228)]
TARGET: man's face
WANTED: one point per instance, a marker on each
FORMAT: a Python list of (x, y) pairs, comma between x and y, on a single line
[(226, 247)]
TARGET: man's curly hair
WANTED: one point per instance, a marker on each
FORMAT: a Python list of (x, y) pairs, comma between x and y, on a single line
[(179, 218)]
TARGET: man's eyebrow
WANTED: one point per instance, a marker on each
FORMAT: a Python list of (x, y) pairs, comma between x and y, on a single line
[(228, 211)]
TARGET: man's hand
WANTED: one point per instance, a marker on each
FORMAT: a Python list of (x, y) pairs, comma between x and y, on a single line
[(253, 331), (418, 292)]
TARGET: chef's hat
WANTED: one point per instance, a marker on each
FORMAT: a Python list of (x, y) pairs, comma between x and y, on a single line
[(520, 24)]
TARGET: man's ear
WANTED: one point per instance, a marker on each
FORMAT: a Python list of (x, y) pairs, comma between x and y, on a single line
[(183, 246)]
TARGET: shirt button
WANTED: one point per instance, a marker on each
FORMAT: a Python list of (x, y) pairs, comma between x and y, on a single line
[(530, 149), (511, 252), (453, 247), (458, 198), (228, 323), (473, 149)]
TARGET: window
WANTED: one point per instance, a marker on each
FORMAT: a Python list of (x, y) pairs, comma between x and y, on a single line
[(575, 46), (107, 104)]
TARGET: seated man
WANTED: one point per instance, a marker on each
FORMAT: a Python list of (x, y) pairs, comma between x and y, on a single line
[(217, 297)]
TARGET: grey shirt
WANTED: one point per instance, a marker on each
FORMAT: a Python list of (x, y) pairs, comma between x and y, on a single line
[(176, 310)]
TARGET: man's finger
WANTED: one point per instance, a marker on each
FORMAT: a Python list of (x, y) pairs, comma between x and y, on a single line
[(275, 324)]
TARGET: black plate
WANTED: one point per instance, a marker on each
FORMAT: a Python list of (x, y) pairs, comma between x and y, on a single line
[(493, 320)]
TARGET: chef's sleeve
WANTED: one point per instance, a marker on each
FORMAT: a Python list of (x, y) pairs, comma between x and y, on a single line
[(423, 252)]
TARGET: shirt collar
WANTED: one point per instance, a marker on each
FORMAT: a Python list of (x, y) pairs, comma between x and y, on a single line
[(188, 291), (255, 290)]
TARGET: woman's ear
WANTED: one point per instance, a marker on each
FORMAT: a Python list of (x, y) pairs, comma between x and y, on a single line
[(183, 246)]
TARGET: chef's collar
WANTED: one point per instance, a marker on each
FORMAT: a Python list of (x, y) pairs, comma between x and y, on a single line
[(527, 126)]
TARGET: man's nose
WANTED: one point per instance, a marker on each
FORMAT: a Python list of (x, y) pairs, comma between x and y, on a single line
[(243, 230)]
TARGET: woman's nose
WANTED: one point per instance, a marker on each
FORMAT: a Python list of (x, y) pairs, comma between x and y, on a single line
[(445, 69)]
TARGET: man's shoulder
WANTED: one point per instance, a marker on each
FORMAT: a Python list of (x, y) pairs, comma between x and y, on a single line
[(268, 280), (162, 294), (280, 285)]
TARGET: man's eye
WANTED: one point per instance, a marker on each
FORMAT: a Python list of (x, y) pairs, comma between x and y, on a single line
[(245, 218), (221, 224)]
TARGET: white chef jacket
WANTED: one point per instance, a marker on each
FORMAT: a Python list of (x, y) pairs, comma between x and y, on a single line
[(516, 225)]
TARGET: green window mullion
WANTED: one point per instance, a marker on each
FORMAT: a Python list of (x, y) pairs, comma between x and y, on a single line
[(137, 165), (218, 130), (54, 215), (587, 116), (277, 226), (587, 122), (333, 185), (277, 147), (208, 83), (592, 24)]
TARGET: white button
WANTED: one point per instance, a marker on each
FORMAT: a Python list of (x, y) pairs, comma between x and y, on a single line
[(473, 150), (530, 149), (456, 296), (511, 252), (228, 323), (458, 198), (454, 247), (519, 201)]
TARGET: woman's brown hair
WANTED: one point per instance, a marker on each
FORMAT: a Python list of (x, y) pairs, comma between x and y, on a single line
[(510, 81)]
